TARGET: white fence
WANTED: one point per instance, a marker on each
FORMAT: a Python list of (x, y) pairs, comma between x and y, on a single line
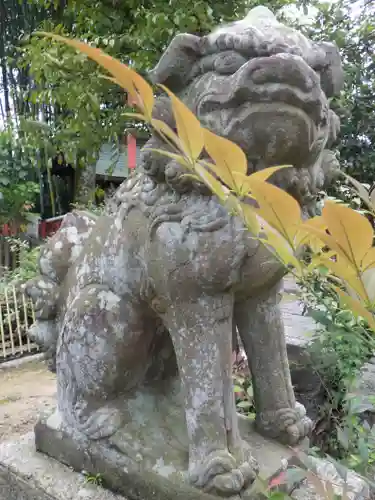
[(16, 316)]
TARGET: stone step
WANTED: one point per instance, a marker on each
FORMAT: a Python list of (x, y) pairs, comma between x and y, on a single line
[(299, 331), (26, 474)]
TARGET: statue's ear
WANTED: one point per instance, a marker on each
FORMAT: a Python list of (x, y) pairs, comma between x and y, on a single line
[(175, 64), (332, 75)]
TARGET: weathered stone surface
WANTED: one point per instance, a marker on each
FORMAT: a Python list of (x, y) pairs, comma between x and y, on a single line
[(154, 465), (28, 475), (355, 487), (146, 295)]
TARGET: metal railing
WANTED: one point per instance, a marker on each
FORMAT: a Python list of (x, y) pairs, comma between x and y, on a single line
[(16, 316)]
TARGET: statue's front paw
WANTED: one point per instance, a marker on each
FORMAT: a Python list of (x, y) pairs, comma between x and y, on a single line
[(220, 474), (100, 423), (288, 425)]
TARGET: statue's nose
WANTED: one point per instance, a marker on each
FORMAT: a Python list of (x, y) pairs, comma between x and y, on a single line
[(280, 69)]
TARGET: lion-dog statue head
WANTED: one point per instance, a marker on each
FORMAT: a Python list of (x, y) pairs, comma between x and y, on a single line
[(264, 86)]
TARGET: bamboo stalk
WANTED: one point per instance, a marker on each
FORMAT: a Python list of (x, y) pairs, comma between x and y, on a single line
[(18, 325), (9, 322), (33, 316), (2, 331), (26, 321)]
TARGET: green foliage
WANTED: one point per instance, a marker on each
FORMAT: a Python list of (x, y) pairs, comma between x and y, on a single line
[(79, 118), (81, 110), (340, 348), (28, 265), (356, 437), (95, 479), (244, 396), (354, 33), (18, 192)]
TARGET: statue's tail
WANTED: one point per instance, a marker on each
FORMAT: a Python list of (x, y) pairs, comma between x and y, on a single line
[(56, 257)]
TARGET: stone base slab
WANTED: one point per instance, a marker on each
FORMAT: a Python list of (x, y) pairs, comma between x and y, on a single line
[(139, 480), (26, 474)]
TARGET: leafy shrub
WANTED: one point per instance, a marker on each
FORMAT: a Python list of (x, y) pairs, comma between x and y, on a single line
[(17, 190), (28, 265), (338, 351)]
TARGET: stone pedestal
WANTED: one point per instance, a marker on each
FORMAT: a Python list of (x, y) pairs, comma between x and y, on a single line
[(26, 474), (142, 470)]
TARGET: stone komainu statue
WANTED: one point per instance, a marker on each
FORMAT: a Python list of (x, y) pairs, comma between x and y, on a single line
[(144, 296)]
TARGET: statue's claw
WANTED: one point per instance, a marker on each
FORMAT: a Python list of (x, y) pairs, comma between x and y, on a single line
[(102, 423), (221, 474), (289, 426)]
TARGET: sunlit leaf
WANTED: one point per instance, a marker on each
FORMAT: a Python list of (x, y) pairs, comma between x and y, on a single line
[(250, 218), (368, 260), (344, 272), (188, 127), (304, 236), (351, 230), (356, 307), (278, 208), (265, 174), (328, 240), (368, 280), (173, 156), (140, 91), (241, 183), (227, 156), (280, 247), (210, 181), (360, 188), (166, 132)]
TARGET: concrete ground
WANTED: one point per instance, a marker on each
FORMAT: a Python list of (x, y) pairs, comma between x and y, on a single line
[(25, 390)]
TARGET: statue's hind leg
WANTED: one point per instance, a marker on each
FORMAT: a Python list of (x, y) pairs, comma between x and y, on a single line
[(260, 325), (104, 351)]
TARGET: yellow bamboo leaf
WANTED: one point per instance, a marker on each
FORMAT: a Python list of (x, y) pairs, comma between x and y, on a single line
[(345, 273), (188, 127), (228, 180), (250, 218), (227, 156), (280, 247), (173, 156), (166, 132), (241, 183), (160, 127), (356, 307), (277, 208), (135, 116), (368, 260), (305, 237), (351, 230), (368, 280), (361, 190), (328, 241), (216, 187), (140, 91), (265, 174)]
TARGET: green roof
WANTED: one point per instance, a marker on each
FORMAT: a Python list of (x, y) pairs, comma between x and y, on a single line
[(113, 161)]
